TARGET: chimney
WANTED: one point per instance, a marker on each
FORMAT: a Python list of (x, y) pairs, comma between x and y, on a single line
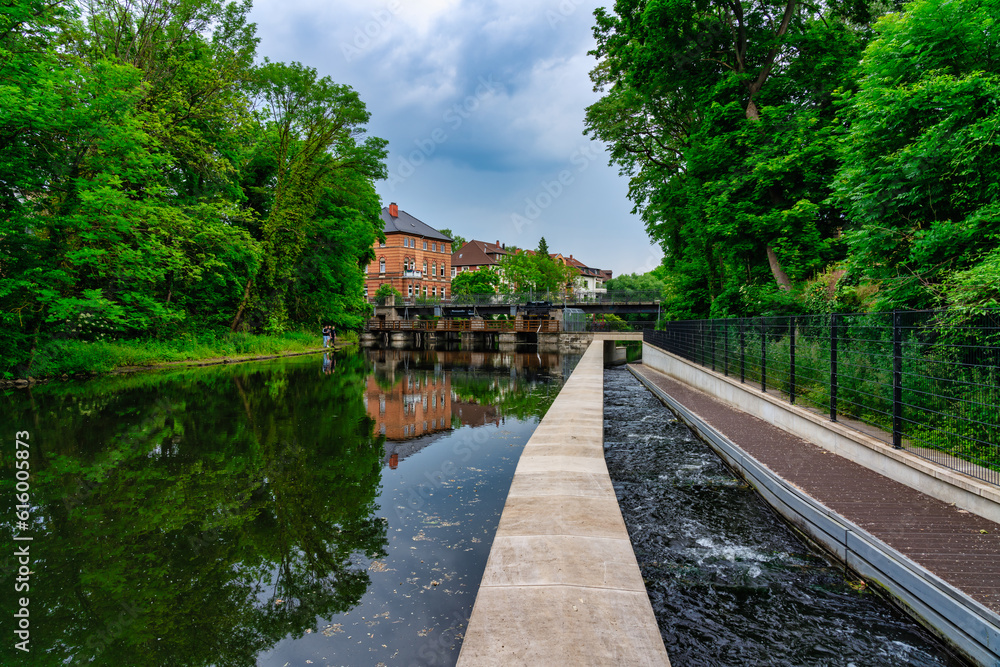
[(571, 255), (498, 243), (393, 210)]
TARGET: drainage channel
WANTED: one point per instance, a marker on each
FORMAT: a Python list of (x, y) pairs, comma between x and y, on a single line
[(729, 581)]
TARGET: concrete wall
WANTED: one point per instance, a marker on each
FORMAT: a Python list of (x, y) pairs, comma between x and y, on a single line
[(562, 585), (938, 482), (966, 624)]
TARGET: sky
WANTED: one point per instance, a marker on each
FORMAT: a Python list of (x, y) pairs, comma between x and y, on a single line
[(482, 103)]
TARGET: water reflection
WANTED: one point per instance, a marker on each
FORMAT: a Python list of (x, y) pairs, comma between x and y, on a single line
[(243, 514)]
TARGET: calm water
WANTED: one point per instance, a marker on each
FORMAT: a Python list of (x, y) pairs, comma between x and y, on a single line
[(730, 583), (315, 510)]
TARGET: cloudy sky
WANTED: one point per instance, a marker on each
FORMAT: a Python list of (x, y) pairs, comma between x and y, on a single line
[(482, 102)]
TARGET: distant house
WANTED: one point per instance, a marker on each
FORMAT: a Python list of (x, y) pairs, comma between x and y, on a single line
[(415, 258), (588, 279), (475, 255)]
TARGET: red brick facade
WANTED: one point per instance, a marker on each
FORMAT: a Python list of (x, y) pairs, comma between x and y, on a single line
[(416, 262)]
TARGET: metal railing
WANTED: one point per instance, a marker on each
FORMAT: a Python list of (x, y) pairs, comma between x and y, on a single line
[(557, 299), (450, 325), (924, 381)]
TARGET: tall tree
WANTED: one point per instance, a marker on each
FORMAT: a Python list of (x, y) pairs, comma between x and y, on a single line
[(922, 156), (721, 113), (312, 130)]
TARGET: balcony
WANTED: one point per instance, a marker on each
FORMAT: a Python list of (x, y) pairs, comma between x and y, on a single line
[(413, 274)]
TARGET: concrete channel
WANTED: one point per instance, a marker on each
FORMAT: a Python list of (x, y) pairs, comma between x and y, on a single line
[(562, 585), (968, 624)]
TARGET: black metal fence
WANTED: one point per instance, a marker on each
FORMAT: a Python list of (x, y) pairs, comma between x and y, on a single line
[(924, 381)]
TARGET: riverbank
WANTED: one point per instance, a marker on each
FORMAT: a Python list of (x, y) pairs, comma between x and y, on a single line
[(62, 360)]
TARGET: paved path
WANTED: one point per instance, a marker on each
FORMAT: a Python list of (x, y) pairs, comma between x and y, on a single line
[(562, 586), (959, 547)]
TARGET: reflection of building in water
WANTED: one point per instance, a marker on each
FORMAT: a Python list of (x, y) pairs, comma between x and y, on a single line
[(418, 404), (411, 413), (474, 414)]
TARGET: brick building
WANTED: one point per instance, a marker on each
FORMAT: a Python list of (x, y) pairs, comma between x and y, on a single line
[(415, 258), (475, 255)]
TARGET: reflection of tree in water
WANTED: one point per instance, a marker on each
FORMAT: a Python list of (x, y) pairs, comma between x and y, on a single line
[(198, 518)]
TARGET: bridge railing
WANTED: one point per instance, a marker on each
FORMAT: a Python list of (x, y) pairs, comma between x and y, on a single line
[(557, 299), (460, 325), (924, 381)]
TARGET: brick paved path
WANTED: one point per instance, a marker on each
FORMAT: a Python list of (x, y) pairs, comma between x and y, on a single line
[(960, 547)]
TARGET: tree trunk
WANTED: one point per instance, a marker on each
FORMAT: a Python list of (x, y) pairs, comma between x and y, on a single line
[(779, 274), (243, 305)]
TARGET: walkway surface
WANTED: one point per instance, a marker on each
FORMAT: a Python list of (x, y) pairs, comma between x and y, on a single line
[(562, 586), (961, 548)]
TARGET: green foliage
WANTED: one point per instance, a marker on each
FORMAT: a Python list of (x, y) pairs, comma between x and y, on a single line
[(385, 290), (456, 240), (723, 116), (921, 157), (143, 195), (482, 281)]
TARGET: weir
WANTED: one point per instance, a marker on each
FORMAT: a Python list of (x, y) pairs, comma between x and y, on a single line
[(562, 585)]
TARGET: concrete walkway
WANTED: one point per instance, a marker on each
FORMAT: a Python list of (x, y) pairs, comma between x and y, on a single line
[(939, 561), (562, 586)]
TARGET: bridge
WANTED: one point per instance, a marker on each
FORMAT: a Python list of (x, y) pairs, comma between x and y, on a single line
[(621, 302)]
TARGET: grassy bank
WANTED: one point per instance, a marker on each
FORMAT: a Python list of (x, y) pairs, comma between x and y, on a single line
[(68, 357)]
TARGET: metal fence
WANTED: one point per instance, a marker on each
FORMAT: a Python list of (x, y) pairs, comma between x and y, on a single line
[(557, 299), (924, 381)]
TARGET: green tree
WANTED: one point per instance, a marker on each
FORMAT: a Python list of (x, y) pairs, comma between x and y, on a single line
[(456, 240), (311, 135), (722, 114), (922, 156), (482, 281)]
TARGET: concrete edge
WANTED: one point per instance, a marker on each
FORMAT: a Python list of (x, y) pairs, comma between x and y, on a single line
[(546, 596), (964, 623), (934, 480)]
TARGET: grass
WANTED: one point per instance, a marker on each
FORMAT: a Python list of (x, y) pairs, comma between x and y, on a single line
[(59, 357)]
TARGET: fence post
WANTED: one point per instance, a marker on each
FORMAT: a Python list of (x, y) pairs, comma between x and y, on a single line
[(791, 365), (725, 348), (834, 321), (743, 352), (711, 346), (701, 337), (897, 381), (763, 357)]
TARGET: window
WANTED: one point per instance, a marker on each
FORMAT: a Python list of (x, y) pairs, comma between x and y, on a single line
[(381, 265), (434, 247), (434, 269), (425, 245), (425, 291), (425, 267), (442, 270), (453, 272), (410, 290), (442, 292), (434, 291)]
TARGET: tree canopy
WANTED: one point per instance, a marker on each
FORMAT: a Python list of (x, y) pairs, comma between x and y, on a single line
[(154, 180), (781, 150)]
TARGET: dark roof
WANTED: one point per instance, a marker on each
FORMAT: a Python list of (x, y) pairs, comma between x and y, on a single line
[(407, 224), (476, 253)]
